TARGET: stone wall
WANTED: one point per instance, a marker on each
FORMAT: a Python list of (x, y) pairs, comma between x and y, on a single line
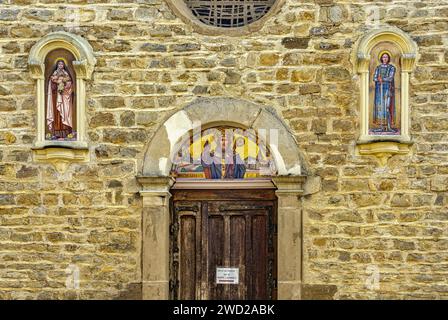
[(393, 220)]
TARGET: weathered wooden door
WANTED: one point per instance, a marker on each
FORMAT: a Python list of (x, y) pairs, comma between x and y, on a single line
[(223, 228)]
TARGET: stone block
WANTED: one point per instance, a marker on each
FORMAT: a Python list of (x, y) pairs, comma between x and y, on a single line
[(439, 183), (27, 172), (318, 291), (102, 119), (289, 290), (304, 75), (127, 119), (336, 74), (295, 42), (7, 104), (309, 89), (269, 59), (401, 200), (155, 290)]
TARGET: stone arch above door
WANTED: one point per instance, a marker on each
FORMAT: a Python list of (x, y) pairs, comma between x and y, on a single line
[(212, 111)]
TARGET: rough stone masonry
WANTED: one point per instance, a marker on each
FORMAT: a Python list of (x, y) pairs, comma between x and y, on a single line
[(150, 63)]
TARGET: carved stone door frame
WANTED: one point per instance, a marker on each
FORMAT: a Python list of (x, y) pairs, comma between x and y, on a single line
[(156, 236)]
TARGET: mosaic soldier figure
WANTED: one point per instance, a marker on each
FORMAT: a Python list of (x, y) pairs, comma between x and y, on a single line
[(384, 108)]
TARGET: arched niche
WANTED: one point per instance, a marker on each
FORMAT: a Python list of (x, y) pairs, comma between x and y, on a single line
[(78, 61), (384, 59)]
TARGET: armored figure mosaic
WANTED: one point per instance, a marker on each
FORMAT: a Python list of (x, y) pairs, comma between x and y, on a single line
[(384, 103)]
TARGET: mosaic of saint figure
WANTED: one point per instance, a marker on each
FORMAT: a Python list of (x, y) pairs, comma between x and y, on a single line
[(211, 162), (235, 167), (60, 103), (384, 102), (223, 153)]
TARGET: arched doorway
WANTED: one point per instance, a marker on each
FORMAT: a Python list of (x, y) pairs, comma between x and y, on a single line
[(280, 192), (223, 216)]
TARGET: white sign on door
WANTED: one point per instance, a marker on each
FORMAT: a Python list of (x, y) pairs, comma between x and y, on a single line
[(227, 275)]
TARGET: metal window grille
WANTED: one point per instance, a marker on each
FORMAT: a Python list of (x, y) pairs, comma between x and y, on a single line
[(229, 13)]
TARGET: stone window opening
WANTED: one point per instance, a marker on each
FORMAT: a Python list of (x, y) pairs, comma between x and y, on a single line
[(229, 14), (225, 17)]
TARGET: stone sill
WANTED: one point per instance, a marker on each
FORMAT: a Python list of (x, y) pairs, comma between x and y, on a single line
[(383, 150), (61, 156), (60, 144), (374, 139)]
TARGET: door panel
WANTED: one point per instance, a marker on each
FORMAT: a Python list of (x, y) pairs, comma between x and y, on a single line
[(238, 235), (187, 257), (259, 254), (215, 233), (187, 227), (215, 256)]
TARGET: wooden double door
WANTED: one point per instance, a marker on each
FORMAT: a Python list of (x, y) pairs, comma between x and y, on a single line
[(223, 229)]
